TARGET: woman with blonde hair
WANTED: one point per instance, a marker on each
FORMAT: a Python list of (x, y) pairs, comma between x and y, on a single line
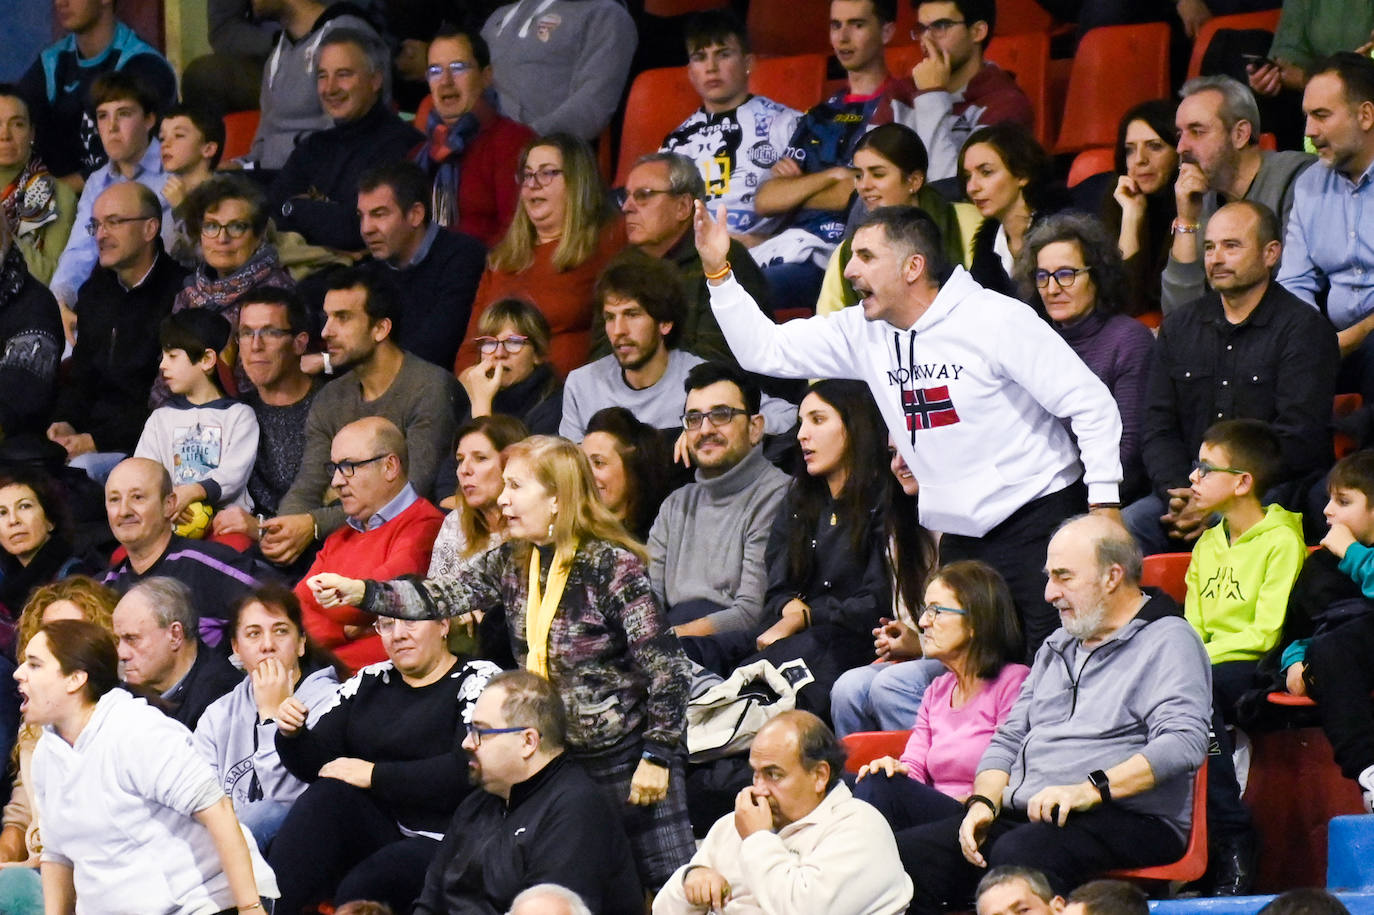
[(562, 235), (574, 589), (476, 525)]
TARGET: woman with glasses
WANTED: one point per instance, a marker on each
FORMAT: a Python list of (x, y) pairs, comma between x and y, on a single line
[(228, 214), (513, 375), (579, 609), (562, 235), (1007, 175), (1073, 269), (969, 625), (385, 768)]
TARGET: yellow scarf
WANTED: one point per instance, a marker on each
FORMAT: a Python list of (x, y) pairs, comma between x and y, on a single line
[(540, 608)]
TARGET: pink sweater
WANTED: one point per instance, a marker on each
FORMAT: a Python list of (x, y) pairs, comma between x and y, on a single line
[(946, 744)]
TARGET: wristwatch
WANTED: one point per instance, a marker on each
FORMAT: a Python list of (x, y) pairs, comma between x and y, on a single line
[(1103, 786), (657, 759)]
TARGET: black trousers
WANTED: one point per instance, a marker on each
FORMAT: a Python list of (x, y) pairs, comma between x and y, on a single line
[(1088, 844), (1342, 677), (1016, 549), (338, 844)]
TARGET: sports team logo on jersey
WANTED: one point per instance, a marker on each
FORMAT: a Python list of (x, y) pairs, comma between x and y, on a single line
[(927, 408), (545, 25)]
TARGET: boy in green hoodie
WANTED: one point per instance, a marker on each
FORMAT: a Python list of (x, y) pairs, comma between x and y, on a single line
[(1238, 582)]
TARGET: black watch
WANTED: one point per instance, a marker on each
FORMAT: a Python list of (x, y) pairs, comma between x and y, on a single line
[(1103, 786), (657, 759)]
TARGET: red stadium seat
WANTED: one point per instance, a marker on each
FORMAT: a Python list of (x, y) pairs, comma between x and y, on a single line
[(1091, 162), (1166, 572), (866, 746), (1342, 406), (1017, 16), (782, 27), (659, 101), (1264, 19), (1026, 56), (901, 59), (239, 128), (1193, 864), (1097, 96), (669, 8), (797, 81)]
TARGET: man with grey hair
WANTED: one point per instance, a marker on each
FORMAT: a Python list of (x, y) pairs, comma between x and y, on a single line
[(1119, 702), (155, 628), (539, 820), (140, 507), (548, 899), (798, 840), (1011, 890), (1221, 162), (316, 191)]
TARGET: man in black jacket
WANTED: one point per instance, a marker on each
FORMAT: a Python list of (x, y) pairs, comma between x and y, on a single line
[(538, 818), (314, 193), (30, 342)]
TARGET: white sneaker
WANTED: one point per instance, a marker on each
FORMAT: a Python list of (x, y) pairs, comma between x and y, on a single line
[(1366, 781)]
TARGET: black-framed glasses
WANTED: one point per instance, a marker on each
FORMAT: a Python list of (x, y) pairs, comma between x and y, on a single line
[(113, 222), (719, 416), (236, 228), (454, 68), (936, 28), (934, 611), (1064, 276), (541, 177), (642, 195), (1202, 468), (512, 344), (475, 734), (259, 334), (348, 468)]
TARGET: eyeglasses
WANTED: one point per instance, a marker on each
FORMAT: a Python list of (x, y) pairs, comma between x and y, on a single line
[(113, 222), (719, 416), (386, 626), (259, 334), (348, 468), (642, 195), (512, 344), (1064, 276), (475, 734), (236, 229), (1202, 468), (455, 68), (541, 178), (936, 28), (934, 610)]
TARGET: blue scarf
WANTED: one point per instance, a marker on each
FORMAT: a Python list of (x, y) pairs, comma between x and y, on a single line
[(445, 150)]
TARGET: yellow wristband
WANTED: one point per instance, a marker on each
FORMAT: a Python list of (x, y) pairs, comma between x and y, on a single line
[(724, 272)]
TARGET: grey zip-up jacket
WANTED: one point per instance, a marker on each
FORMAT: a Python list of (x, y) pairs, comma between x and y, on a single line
[(1146, 690)]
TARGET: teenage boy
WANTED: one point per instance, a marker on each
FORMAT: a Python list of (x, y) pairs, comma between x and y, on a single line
[(1238, 584), (206, 441), (1336, 669)]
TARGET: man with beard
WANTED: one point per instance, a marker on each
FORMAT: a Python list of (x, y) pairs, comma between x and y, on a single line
[(538, 819), (1118, 702), (642, 309), (1218, 143)]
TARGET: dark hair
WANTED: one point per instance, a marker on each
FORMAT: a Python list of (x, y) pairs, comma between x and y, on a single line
[(283, 600), (208, 123), (1158, 115), (899, 145), (1305, 901), (994, 629), (867, 481), (912, 229), (1020, 152), (1267, 227), (194, 330), (1251, 445), (646, 461), (1355, 71), (524, 316), (972, 11), (712, 27), (705, 374), (1111, 897), (381, 298), (10, 90), (911, 553), (885, 10), (408, 182), (269, 294), (1354, 471), (120, 86), (1100, 253), (219, 188), (652, 282), (81, 646), (531, 701), (816, 744), (51, 498), (481, 52)]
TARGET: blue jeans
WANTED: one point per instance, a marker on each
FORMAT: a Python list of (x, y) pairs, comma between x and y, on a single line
[(263, 819), (98, 464), (881, 696)]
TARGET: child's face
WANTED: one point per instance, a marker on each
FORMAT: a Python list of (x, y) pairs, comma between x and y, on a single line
[(1351, 508), (1214, 482), (179, 371)]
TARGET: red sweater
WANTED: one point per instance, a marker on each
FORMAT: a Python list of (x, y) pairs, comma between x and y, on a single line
[(487, 192), (399, 547), (564, 298)]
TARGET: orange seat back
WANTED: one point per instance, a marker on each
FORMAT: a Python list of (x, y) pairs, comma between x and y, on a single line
[(1026, 56), (659, 101), (1098, 96), (1167, 571), (1264, 19), (239, 130), (797, 81)]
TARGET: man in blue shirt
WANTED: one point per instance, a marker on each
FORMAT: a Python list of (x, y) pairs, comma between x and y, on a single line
[(1328, 257)]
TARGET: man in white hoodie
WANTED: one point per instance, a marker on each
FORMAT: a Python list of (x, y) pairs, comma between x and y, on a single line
[(972, 384)]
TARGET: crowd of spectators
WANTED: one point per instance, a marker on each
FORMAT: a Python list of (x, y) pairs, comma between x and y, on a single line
[(378, 507)]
